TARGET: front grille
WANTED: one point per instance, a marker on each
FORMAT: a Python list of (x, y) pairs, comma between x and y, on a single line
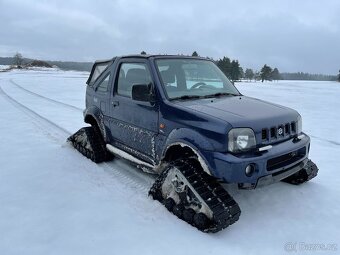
[(273, 132), (293, 125), (286, 159), (287, 129), (278, 132)]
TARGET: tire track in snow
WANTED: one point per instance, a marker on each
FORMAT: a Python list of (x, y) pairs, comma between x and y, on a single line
[(325, 140), (43, 97), (126, 173), (36, 116)]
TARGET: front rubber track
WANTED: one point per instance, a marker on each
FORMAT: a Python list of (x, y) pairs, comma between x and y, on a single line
[(224, 208), (309, 172)]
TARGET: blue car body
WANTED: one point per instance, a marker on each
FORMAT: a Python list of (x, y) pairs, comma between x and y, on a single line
[(148, 131)]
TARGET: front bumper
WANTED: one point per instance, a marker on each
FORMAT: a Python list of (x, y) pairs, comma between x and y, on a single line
[(281, 161), (278, 176)]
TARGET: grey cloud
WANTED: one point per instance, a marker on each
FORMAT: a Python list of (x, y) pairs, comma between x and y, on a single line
[(291, 35)]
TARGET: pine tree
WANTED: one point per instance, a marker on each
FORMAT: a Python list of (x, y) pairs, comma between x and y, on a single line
[(266, 72), (276, 74), (235, 70), (143, 53), (241, 73), (195, 54), (249, 74), (225, 66)]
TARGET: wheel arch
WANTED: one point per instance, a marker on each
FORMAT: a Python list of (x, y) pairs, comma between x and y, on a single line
[(183, 141), (95, 118), (178, 149)]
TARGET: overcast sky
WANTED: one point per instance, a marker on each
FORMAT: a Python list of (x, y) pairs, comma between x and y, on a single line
[(292, 35)]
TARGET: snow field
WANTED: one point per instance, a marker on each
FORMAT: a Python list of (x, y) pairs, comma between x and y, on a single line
[(55, 201)]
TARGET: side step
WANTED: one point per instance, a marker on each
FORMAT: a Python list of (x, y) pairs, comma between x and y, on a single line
[(127, 156)]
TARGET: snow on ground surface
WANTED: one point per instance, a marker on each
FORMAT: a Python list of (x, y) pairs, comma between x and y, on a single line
[(55, 201)]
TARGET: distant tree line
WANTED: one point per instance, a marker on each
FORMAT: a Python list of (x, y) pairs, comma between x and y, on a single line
[(234, 72), (64, 65), (77, 66), (308, 76), (231, 68)]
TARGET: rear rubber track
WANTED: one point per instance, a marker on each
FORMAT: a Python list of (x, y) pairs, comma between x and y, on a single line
[(90, 143), (224, 208)]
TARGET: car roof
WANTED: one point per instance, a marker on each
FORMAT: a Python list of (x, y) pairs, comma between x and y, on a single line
[(146, 56)]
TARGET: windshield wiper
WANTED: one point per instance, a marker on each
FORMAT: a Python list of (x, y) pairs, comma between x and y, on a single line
[(220, 94), (184, 97)]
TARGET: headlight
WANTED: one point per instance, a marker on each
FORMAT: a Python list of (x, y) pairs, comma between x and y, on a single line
[(299, 125), (241, 139)]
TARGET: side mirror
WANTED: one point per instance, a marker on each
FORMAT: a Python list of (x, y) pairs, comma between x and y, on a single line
[(142, 92)]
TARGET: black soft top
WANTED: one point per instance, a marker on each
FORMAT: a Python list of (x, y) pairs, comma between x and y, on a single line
[(100, 66), (95, 71)]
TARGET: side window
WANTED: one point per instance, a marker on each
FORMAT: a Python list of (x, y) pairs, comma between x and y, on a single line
[(102, 87), (131, 74), (98, 70)]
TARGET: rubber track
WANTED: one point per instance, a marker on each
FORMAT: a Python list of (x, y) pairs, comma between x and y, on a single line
[(225, 209), (96, 151), (304, 175)]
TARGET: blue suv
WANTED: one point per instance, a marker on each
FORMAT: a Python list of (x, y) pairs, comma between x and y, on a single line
[(181, 118)]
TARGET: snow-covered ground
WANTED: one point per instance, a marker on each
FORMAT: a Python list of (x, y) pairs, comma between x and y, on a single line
[(55, 201)]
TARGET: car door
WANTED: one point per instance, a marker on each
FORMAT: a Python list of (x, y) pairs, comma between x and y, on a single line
[(101, 89), (133, 124)]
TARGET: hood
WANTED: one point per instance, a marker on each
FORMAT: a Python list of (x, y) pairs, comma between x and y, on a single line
[(242, 111)]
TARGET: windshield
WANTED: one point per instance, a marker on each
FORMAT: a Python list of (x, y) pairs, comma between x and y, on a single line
[(193, 78)]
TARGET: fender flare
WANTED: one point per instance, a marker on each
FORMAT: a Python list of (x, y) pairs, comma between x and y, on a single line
[(95, 113), (191, 139)]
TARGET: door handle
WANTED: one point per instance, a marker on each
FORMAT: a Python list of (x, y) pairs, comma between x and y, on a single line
[(115, 103)]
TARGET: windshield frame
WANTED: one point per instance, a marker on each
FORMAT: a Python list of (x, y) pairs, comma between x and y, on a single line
[(155, 59)]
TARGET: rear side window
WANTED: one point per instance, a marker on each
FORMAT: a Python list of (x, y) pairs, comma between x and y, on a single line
[(102, 86), (131, 74), (98, 70)]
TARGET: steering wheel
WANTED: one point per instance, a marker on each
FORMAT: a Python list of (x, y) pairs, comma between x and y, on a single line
[(198, 84), (201, 85)]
